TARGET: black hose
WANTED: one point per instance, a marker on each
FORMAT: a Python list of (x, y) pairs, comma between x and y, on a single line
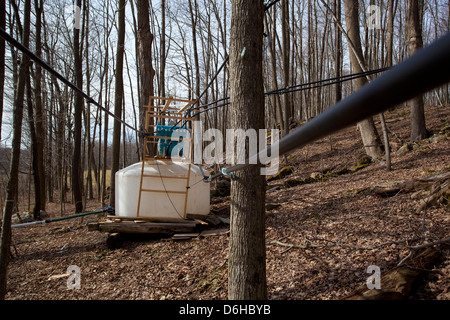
[(427, 69)]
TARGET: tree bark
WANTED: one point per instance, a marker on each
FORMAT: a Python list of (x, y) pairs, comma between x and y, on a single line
[(194, 18), (162, 48), (273, 63), (338, 50), (34, 154), (369, 134), (146, 72), (415, 43), (286, 67), (77, 174), (104, 193), (2, 61), (247, 258), (39, 114), (12, 186), (89, 192), (118, 99), (390, 34)]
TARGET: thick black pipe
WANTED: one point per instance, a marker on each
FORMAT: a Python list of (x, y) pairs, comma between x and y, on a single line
[(427, 69)]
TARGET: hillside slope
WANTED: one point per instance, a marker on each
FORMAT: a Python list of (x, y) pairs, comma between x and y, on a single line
[(325, 227)]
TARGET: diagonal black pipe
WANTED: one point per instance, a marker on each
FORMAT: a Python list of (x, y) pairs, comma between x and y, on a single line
[(427, 69), (55, 73)]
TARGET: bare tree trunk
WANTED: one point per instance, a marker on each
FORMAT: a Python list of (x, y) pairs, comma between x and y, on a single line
[(447, 96), (118, 100), (2, 62), (247, 259), (89, 192), (49, 173), (415, 43), (390, 34), (39, 114), (338, 50), (162, 50), (146, 72), (273, 64), (55, 99), (194, 18), (106, 121), (389, 63), (34, 153), (12, 187), (77, 174), (369, 134), (286, 67)]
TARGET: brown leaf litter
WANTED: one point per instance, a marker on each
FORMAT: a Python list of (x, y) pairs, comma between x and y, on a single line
[(322, 235)]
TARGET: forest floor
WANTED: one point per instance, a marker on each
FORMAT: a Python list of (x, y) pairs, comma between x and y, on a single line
[(348, 227)]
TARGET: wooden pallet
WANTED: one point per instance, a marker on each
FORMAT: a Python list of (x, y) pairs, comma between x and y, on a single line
[(118, 228), (142, 227)]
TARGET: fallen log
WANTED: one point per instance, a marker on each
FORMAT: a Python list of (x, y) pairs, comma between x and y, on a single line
[(429, 190), (399, 283), (392, 187)]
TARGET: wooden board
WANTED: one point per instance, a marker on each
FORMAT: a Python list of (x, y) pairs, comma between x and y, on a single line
[(205, 233), (152, 219), (215, 232), (185, 236), (142, 227)]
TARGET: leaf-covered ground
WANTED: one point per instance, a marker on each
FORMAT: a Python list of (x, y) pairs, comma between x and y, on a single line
[(321, 235)]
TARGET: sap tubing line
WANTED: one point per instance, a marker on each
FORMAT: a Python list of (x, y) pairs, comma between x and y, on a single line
[(427, 69), (104, 210)]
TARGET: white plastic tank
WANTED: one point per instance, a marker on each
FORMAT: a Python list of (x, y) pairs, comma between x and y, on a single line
[(162, 177)]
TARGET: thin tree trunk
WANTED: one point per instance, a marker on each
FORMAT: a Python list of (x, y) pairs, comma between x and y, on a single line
[(39, 114), (106, 121), (390, 34), (338, 50), (146, 72), (34, 153), (286, 67), (49, 174), (118, 99), (193, 12), (369, 134), (77, 175), (12, 186), (415, 43), (273, 64), (247, 258), (2, 62), (89, 187), (162, 50)]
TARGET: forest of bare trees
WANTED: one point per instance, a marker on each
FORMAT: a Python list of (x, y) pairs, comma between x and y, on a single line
[(59, 147), (186, 43)]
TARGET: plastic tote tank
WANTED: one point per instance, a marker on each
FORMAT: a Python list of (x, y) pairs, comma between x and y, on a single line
[(161, 176)]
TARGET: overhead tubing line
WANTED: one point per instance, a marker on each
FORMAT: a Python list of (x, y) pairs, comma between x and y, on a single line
[(427, 69), (300, 87), (52, 71), (103, 210), (326, 82)]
